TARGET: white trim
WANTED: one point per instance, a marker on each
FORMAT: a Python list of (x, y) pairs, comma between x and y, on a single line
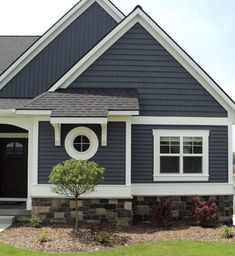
[(151, 120), (104, 131), (69, 140), (158, 176), (128, 152), (139, 16), (181, 177), (230, 153), (102, 191), (78, 120), (182, 189), (34, 152), (145, 189), (57, 132), (123, 113), (14, 135), (5, 199), (53, 32), (34, 112)]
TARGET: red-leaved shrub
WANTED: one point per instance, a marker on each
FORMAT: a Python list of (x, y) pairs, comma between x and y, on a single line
[(161, 212), (205, 213)]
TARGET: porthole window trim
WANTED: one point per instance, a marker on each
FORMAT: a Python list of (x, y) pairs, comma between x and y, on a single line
[(81, 131)]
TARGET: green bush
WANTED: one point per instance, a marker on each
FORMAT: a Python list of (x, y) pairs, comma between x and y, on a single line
[(103, 237), (36, 221), (74, 178), (42, 237), (226, 232)]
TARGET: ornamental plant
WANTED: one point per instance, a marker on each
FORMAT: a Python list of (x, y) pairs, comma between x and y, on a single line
[(74, 178), (205, 213), (161, 212)]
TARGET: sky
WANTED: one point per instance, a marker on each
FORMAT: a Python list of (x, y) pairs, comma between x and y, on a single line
[(205, 29)]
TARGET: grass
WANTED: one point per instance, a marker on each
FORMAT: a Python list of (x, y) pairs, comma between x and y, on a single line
[(167, 248)]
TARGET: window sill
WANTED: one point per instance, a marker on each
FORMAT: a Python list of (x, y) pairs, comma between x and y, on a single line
[(190, 177)]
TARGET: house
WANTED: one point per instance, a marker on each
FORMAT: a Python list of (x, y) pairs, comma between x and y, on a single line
[(120, 91)]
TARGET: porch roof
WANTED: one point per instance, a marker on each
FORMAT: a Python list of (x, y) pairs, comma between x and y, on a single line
[(11, 103), (85, 102)]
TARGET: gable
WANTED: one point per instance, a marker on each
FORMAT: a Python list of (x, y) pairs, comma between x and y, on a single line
[(61, 54), (165, 87)]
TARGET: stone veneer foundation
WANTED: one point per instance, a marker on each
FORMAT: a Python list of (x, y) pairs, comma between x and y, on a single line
[(122, 211)]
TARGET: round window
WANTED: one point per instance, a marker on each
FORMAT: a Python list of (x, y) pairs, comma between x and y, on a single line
[(81, 143)]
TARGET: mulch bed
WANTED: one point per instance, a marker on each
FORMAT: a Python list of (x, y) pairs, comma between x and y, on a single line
[(61, 238)]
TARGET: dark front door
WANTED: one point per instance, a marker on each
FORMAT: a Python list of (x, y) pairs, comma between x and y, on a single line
[(13, 168)]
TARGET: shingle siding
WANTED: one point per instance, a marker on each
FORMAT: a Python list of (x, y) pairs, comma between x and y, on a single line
[(112, 157), (142, 152), (165, 88), (61, 54)]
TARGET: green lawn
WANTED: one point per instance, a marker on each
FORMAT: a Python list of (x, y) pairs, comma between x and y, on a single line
[(169, 248)]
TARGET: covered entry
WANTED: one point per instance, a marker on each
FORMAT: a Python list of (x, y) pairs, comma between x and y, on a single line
[(13, 162)]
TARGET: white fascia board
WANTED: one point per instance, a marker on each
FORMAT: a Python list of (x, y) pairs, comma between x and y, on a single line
[(182, 189), (152, 120), (123, 113), (53, 32), (7, 111), (14, 135), (139, 16), (102, 191), (78, 120), (34, 112)]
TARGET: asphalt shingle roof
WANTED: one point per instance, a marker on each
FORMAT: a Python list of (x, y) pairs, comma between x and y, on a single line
[(12, 103), (85, 102), (11, 47)]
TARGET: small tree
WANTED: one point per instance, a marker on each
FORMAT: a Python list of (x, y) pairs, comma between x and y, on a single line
[(73, 178)]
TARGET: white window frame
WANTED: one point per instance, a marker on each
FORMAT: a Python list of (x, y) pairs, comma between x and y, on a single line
[(204, 176), (81, 131)]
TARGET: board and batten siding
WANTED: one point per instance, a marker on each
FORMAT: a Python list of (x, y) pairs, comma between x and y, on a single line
[(165, 88), (142, 152), (112, 157), (61, 54)]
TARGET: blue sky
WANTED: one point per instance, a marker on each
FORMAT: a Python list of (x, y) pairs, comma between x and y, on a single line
[(204, 28)]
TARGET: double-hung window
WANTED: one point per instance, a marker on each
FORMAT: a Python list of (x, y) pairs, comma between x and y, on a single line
[(180, 155)]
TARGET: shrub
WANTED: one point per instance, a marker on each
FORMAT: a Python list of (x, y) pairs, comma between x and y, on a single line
[(226, 232), (36, 221), (74, 178), (205, 213), (161, 212), (42, 237), (102, 237)]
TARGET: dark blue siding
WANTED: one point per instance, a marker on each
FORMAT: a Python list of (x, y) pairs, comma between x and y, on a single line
[(61, 54), (142, 152), (165, 88), (112, 157)]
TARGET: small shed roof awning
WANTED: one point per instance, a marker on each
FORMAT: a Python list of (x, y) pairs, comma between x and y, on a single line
[(85, 102)]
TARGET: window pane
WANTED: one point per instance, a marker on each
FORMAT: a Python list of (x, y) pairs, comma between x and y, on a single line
[(192, 145), (187, 150), (175, 149), (81, 143), (164, 149), (192, 164), (169, 164), (197, 150), (169, 145), (19, 148), (10, 148), (85, 147), (78, 140)]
